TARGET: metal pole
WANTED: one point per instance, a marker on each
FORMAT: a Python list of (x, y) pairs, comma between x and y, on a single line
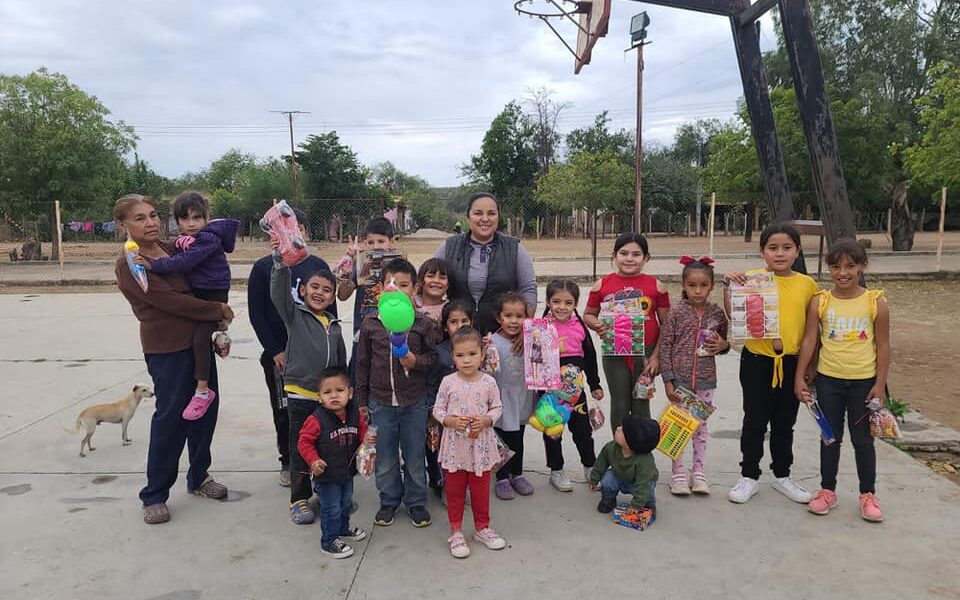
[(943, 212), (293, 161), (713, 209), (638, 201), (56, 208)]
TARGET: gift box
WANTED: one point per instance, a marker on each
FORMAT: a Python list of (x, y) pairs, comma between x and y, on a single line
[(755, 308), (691, 402), (623, 335), (677, 427), (640, 520)]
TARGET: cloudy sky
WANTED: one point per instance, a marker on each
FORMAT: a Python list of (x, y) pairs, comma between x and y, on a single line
[(415, 83)]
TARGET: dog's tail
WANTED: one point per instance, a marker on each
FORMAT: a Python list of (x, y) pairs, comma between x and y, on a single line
[(75, 429)]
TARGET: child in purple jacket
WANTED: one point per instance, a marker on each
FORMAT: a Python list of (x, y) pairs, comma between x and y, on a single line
[(202, 259)]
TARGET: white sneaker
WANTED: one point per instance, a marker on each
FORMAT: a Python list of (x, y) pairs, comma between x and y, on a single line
[(743, 490), (586, 474), (559, 480), (284, 477), (793, 490)]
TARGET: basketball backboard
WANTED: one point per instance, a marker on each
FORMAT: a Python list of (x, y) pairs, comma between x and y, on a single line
[(594, 20)]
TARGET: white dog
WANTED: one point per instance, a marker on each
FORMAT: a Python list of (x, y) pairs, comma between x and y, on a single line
[(120, 411)]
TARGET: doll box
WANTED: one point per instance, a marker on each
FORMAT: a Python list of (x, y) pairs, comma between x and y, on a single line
[(541, 355)]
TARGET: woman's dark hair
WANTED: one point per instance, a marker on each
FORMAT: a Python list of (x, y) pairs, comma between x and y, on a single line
[(188, 202), (379, 226), (398, 266), (849, 248), (477, 196), (775, 228), (322, 274), (509, 298), (453, 306), (631, 237), (432, 265), (695, 266), (465, 334)]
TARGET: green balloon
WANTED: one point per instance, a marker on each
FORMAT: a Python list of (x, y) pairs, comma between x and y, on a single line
[(396, 311)]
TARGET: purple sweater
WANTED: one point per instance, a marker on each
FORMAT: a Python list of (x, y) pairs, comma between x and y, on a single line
[(204, 262), (678, 345)]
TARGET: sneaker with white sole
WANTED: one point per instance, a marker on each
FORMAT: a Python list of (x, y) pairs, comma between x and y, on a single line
[(284, 477), (354, 534), (743, 490), (559, 480), (337, 549), (680, 485), (793, 490), (458, 546), (699, 483), (490, 538)]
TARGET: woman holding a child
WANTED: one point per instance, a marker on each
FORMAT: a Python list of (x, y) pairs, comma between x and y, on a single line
[(168, 313), (486, 263)]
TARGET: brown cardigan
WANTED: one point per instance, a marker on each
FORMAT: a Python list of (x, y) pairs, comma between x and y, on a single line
[(167, 312)]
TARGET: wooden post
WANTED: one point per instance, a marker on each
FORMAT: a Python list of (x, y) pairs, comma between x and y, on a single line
[(890, 223), (943, 212), (713, 209), (556, 228), (56, 208), (688, 224), (649, 223)]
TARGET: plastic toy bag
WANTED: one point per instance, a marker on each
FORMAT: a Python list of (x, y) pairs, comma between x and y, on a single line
[(131, 250), (490, 363), (755, 308), (281, 223), (434, 431), (883, 424), (826, 431), (644, 388), (367, 455), (595, 415), (504, 453)]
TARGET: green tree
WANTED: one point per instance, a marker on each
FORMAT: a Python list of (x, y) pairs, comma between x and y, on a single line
[(57, 143), (598, 138), (935, 158), (669, 183), (229, 171)]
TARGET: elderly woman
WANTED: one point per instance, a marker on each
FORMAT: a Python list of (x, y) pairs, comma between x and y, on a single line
[(168, 313), (486, 263)]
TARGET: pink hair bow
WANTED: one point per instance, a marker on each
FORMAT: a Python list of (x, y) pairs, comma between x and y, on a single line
[(686, 260)]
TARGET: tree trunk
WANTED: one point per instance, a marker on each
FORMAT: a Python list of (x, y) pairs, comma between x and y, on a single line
[(901, 231), (55, 244)]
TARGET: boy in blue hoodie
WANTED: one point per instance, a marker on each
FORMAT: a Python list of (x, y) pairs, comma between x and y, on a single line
[(202, 246)]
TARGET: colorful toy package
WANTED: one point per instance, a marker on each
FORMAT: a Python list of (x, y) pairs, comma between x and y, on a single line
[(755, 308), (642, 519), (883, 424), (370, 267), (624, 334), (541, 355), (549, 415), (491, 357), (367, 455), (676, 429), (826, 432), (504, 453), (644, 388), (281, 223), (691, 402)]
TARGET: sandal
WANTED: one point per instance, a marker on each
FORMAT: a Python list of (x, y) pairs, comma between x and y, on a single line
[(155, 514), (198, 405), (211, 489), (458, 545)]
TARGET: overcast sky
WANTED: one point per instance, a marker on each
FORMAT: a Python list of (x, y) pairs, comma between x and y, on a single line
[(415, 83)]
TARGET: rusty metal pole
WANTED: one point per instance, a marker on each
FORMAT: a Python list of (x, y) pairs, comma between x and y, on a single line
[(638, 200), (293, 161)]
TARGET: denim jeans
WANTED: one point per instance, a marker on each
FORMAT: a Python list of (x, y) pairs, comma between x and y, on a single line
[(336, 498), (401, 429), (611, 485)]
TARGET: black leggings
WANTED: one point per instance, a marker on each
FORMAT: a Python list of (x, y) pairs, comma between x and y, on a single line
[(579, 425), (836, 397), (765, 405), (514, 441)]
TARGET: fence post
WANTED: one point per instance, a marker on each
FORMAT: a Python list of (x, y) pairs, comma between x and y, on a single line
[(943, 212), (56, 209), (713, 209), (890, 223)]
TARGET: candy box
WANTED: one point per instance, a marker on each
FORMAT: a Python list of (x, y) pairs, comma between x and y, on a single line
[(755, 308), (676, 428), (623, 335)]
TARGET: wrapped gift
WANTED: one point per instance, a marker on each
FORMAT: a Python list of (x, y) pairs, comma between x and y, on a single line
[(623, 335), (634, 519), (691, 402), (677, 427), (541, 355), (755, 308)]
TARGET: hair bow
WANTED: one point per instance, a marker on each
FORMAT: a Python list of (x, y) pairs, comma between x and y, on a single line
[(686, 260)]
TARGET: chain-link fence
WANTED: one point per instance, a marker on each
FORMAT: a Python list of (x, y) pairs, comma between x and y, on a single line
[(90, 244)]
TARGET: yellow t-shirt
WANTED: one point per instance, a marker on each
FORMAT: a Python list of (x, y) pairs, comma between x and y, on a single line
[(847, 346), (794, 292)]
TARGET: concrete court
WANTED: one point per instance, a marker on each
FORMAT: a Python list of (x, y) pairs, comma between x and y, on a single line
[(71, 527)]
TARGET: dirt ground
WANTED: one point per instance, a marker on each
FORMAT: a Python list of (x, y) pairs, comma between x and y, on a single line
[(420, 249)]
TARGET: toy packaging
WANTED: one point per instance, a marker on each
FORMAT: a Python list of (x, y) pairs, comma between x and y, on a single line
[(883, 424), (131, 250), (504, 453), (676, 429), (491, 357), (755, 308), (549, 415), (595, 415), (691, 402), (704, 336), (367, 455), (644, 388), (281, 223), (541, 355), (371, 264), (434, 431), (624, 334), (640, 520), (826, 432)]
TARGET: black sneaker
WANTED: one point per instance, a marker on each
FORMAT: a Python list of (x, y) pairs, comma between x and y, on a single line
[(607, 505), (384, 517), (419, 516), (337, 549), (354, 534)]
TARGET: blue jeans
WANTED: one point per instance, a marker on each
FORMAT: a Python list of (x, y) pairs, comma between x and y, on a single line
[(611, 485), (336, 498), (401, 429)]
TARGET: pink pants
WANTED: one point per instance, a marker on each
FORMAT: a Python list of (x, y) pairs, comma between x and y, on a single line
[(699, 441)]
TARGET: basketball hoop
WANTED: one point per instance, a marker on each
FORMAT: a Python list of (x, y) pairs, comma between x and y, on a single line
[(590, 18)]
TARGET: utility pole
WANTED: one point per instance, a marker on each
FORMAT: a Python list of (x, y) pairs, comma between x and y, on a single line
[(638, 33), (293, 154)]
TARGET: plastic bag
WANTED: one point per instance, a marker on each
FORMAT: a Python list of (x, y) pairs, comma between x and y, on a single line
[(595, 415), (504, 453), (433, 434), (367, 455), (883, 424), (644, 389)]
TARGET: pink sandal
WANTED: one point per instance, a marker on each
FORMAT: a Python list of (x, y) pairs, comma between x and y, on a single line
[(199, 404)]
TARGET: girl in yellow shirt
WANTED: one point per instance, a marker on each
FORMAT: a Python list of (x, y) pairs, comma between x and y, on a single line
[(852, 326), (767, 370)]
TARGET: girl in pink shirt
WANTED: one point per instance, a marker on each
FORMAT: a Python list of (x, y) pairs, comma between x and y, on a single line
[(578, 358), (468, 403)]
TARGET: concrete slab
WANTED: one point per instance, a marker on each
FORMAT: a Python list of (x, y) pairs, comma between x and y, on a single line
[(72, 527)]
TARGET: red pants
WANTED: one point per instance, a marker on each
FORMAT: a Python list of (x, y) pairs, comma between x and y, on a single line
[(455, 484)]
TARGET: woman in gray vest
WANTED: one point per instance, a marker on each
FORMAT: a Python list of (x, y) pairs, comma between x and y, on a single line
[(486, 263)]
